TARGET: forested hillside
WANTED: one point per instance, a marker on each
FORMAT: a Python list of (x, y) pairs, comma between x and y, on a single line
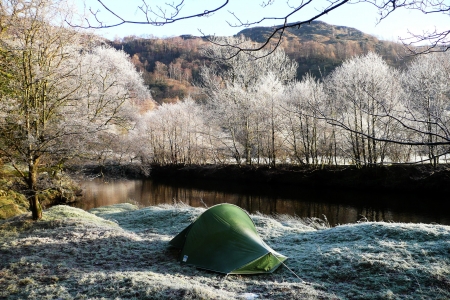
[(171, 65), (321, 46)]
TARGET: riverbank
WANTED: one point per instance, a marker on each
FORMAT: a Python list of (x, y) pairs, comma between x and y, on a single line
[(56, 189), (396, 178), (424, 183), (122, 252), (411, 178)]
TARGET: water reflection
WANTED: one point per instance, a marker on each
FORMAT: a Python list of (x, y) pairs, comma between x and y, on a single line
[(339, 208)]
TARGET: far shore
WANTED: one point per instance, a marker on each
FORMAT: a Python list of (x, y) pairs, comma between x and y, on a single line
[(419, 177)]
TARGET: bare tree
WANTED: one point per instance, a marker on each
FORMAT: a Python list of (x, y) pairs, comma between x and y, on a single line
[(168, 13)]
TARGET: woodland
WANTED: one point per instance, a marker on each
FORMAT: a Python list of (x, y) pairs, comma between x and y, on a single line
[(365, 112)]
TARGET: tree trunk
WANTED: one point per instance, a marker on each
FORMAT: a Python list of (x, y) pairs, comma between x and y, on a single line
[(248, 147), (35, 206), (273, 155)]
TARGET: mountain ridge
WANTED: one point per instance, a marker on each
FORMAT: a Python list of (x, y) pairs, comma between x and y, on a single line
[(309, 32), (320, 47)]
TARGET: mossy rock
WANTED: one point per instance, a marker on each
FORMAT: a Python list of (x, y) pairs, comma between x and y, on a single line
[(56, 196), (12, 204), (49, 197)]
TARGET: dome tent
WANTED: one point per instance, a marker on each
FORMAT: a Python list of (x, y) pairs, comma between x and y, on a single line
[(224, 239)]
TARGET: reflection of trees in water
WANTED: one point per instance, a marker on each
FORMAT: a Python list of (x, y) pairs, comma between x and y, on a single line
[(147, 193), (100, 193)]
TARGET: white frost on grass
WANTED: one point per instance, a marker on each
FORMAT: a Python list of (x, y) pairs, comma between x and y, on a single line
[(121, 252)]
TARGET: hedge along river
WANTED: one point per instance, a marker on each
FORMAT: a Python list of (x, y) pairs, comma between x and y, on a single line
[(339, 207)]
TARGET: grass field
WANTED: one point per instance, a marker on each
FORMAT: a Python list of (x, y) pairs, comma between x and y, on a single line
[(121, 252)]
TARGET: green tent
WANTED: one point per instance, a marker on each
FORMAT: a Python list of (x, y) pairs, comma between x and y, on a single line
[(224, 239)]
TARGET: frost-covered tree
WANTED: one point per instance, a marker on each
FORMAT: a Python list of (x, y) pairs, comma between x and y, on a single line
[(231, 110), (310, 139), (269, 116), (427, 101), (62, 89), (245, 70), (232, 86), (364, 92), (176, 134)]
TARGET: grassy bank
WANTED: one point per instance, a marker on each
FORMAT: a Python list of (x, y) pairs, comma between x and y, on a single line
[(121, 252)]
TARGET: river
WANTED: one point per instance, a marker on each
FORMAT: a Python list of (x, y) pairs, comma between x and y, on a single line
[(338, 207)]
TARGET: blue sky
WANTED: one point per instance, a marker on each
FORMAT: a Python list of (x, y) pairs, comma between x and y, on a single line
[(361, 16)]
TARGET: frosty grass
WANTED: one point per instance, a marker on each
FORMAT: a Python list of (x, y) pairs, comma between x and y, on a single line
[(121, 252)]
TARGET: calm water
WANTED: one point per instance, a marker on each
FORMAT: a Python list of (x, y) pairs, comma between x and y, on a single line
[(339, 207)]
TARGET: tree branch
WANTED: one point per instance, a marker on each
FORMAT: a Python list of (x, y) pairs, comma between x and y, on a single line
[(161, 17)]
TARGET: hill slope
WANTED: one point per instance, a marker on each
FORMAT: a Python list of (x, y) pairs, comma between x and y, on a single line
[(323, 46), (171, 65), (316, 31)]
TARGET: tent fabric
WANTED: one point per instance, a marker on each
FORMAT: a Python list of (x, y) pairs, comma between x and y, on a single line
[(224, 239)]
